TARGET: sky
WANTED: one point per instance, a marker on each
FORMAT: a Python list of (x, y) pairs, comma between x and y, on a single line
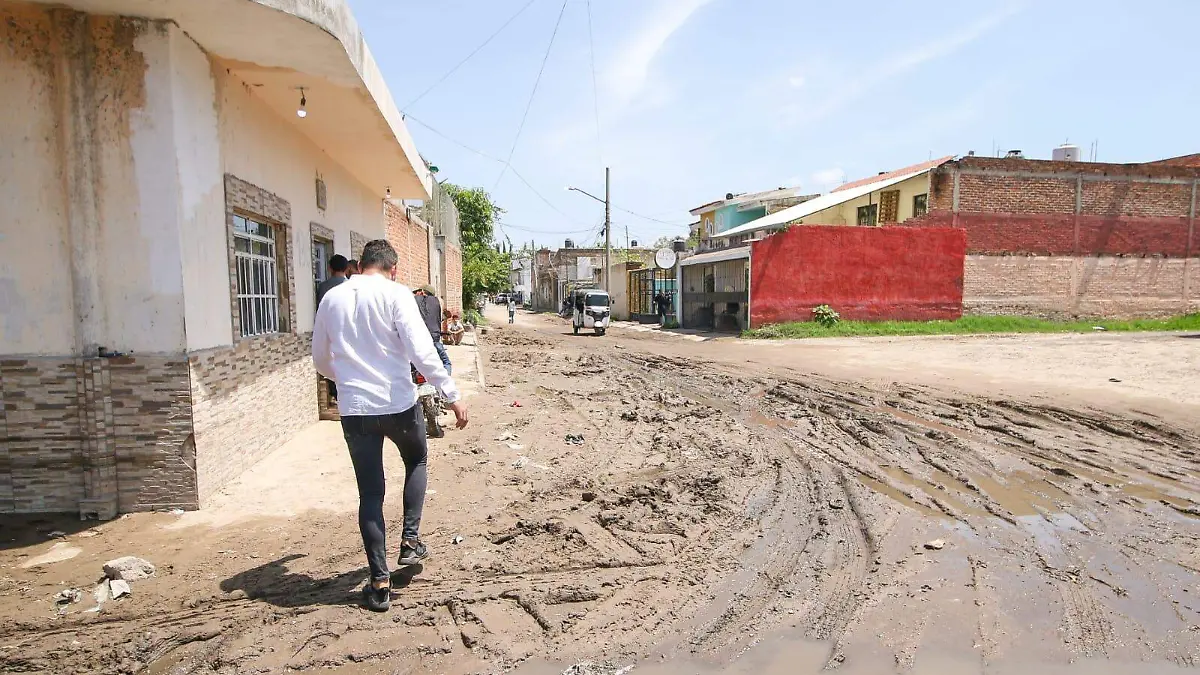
[(687, 100)]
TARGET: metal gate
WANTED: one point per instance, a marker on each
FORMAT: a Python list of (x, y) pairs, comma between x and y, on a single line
[(716, 296), (644, 284)]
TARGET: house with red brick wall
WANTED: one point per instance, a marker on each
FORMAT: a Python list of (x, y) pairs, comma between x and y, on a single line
[(1072, 239)]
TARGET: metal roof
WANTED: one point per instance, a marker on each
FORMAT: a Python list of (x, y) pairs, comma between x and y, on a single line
[(716, 256), (819, 204)]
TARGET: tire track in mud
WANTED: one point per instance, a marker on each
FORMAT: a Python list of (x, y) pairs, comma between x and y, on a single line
[(731, 503)]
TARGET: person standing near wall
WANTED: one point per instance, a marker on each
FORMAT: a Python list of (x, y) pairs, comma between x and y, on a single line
[(365, 335), (338, 266), (431, 310)]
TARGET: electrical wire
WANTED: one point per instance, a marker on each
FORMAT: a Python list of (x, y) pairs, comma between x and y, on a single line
[(485, 155), (460, 64), (532, 94), (595, 89), (656, 220)]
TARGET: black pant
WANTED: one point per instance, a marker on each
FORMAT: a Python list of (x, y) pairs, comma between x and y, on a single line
[(364, 436)]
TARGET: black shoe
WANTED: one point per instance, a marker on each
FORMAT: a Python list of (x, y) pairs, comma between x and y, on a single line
[(412, 552), (377, 599)]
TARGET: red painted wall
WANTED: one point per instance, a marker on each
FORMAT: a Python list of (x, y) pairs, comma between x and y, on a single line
[(872, 273)]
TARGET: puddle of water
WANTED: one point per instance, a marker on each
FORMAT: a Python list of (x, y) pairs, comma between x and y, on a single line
[(949, 496), (1023, 494), (893, 493), (1151, 493), (921, 421)]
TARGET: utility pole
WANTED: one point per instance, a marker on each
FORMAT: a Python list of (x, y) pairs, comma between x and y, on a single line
[(607, 233)]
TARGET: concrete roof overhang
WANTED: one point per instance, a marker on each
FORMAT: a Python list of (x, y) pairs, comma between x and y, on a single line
[(280, 45)]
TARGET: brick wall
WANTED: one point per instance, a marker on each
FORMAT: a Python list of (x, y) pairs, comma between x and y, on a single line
[(247, 400), (454, 284), (95, 436), (1072, 239), (1068, 286), (411, 241)]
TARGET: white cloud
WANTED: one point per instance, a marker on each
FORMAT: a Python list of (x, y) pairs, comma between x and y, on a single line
[(892, 66), (627, 76), (796, 81), (828, 178)]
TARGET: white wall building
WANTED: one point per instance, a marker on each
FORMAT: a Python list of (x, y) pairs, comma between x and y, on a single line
[(163, 201)]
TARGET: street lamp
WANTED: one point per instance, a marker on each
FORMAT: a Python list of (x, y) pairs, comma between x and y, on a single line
[(607, 225)]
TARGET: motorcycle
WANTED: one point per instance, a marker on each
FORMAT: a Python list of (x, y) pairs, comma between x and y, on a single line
[(431, 404)]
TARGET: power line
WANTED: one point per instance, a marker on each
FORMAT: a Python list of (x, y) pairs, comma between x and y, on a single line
[(529, 104), (485, 155), (536, 231), (664, 222), (529, 185), (469, 56), (595, 95), (464, 146)]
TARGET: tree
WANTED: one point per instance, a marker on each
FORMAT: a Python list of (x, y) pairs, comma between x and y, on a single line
[(485, 269)]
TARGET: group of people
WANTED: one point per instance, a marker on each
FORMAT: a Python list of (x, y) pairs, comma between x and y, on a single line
[(368, 334)]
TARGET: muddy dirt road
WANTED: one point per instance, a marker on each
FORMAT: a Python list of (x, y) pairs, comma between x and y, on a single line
[(646, 501)]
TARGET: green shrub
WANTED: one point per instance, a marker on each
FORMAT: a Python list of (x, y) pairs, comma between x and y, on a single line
[(473, 317), (826, 316)]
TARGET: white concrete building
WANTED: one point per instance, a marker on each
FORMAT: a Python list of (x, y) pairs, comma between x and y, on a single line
[(162, 200)]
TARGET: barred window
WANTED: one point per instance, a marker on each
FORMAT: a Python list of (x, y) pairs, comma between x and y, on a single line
[(868, 215), (257, 276), (920, 205)]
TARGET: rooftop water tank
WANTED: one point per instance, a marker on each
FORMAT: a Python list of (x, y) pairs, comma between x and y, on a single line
[(1066, 153)]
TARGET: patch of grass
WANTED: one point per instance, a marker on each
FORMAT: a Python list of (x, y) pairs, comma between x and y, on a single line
[(966, 326)]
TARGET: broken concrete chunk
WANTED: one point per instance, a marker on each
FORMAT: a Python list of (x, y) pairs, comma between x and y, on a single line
[(128, 568), (119, 588), (103, 593), (935, 545), (68, 596)]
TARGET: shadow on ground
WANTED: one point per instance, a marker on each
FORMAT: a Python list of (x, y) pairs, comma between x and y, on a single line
[(274, 584), (22, 531)]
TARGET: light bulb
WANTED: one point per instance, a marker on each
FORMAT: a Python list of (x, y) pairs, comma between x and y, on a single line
[(301, 113)]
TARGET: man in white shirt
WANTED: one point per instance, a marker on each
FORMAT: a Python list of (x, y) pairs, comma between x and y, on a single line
[(367, 332)]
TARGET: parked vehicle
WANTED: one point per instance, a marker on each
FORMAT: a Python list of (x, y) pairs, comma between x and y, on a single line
[(431, 404), (592, 309)]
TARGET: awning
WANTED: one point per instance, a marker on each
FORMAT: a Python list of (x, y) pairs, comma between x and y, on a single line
[(741, 252)]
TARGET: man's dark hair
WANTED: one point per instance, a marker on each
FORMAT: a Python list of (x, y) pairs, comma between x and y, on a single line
[(379, 254), (338, 263)]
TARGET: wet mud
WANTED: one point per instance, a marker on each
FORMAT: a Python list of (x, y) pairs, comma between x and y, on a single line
[(710, 519)]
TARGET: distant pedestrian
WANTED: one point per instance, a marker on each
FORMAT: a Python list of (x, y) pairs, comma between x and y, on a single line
[(365, 336), (661, 304), (512, 309), (352, 268)]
